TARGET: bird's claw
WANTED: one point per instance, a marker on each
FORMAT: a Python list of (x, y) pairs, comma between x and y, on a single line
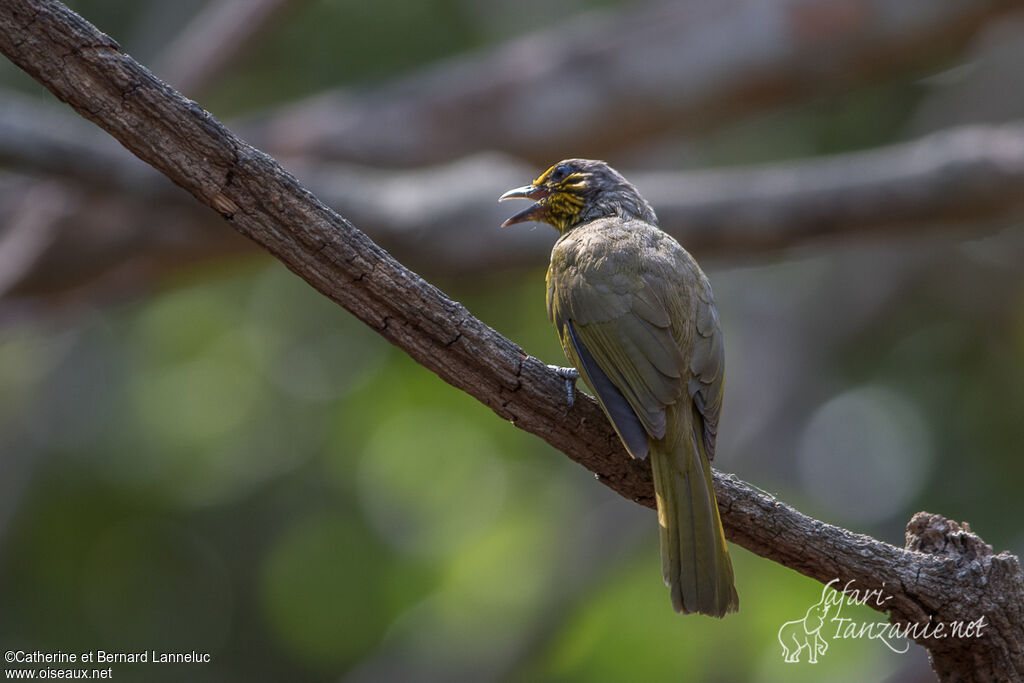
[(570, 375)]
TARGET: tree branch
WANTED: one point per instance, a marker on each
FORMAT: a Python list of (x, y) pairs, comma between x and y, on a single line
[(214, 39), (965, 179), (30, 229), (945, 574), (597, 83)]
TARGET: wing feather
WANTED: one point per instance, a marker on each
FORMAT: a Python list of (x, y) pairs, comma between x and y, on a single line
[(615, 327), (707, 368), (624, 319)]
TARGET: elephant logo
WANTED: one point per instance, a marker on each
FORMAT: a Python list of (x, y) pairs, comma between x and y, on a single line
[(805, 634)]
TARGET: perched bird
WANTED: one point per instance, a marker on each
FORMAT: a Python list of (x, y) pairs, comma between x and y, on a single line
[(636, 317)]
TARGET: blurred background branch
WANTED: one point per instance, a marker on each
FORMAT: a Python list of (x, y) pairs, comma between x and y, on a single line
[(964, 180), (220, 34), (967, 179), (594, 85)]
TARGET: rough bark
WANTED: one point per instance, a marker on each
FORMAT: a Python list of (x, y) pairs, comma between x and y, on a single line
[(945, 574)]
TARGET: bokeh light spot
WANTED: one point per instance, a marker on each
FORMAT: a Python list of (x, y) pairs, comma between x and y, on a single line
[(323, 600), (865, 454), (430, 481)]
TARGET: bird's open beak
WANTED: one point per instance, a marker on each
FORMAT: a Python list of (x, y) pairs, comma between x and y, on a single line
[(534, 212)]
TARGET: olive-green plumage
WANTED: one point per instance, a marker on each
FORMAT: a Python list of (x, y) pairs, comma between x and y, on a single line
[(635, 315)]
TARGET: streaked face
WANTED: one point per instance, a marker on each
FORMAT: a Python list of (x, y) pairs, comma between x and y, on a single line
[(559, 195)]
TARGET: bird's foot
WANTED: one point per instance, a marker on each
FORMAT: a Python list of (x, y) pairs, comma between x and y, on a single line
[(570, 375)]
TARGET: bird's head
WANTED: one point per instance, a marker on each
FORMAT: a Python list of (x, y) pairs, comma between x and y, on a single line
[(576, 191)]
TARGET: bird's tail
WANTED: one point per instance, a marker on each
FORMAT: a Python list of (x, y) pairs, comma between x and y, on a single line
[(694, 558)]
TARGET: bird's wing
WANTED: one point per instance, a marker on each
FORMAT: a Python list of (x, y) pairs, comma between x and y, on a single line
[(616, 329), (707, 367)]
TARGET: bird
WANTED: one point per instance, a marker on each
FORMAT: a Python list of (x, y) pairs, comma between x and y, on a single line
[(636, 317)]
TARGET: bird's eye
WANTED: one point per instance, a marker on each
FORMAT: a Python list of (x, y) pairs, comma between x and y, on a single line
[(560, 173)]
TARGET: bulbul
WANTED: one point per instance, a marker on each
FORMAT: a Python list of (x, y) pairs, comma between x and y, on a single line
[(636, 317)]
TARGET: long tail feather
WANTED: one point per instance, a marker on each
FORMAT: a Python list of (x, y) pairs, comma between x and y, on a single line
[(694, 558)]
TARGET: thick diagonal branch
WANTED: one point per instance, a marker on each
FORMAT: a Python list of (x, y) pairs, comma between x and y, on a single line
[(940, 578)]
